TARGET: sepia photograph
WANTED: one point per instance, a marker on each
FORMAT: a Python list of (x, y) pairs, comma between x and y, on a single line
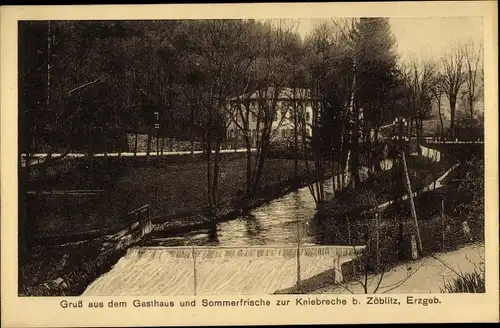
[(187, 157), (251, 157)]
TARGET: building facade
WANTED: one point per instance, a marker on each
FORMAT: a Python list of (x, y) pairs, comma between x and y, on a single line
[(293, 112)]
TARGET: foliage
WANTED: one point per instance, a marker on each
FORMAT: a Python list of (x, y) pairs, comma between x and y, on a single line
[(466, 282)]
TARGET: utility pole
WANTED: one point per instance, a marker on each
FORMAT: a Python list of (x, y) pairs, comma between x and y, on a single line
[(400, 136)]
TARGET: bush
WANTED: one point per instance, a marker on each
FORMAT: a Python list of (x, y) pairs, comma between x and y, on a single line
[(470, 282)]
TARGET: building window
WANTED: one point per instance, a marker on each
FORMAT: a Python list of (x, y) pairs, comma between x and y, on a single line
[(284, 111), (254, 117), (308, 116)]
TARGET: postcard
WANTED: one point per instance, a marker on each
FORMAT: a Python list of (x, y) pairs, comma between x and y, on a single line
[(234, 164)]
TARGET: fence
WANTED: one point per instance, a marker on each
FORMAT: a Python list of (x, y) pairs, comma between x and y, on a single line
[(439, 140), (139, 221), (432, 154)]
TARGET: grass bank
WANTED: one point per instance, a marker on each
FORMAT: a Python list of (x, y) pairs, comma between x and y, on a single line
[(384, 186), (65, 270), (438, 233), (175, 187)]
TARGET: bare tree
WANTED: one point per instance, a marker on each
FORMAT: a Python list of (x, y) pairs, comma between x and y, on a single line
[(473, 56), (437, 94), (349, 32), (419, 76), (454, 75), (279, 44)]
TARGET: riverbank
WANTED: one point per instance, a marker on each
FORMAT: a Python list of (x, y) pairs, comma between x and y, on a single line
[(55, 269), (174, 187), (66, 270), (385, 186), (233, 209), (441, 229), (425, 275)]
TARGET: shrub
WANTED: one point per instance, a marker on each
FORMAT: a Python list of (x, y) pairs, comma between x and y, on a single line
[(469, 282)]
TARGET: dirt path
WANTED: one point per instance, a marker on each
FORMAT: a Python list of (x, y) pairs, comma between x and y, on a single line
[(425, 275)]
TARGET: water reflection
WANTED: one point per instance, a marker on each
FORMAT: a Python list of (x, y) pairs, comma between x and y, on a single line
[(253, 227), (282, 221), (213, 238)]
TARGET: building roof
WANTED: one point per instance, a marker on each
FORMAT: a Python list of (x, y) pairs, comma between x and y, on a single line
[(284, 93)]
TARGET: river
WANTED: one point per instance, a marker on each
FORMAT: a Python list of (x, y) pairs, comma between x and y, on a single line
[(273, 224), (251, 254)]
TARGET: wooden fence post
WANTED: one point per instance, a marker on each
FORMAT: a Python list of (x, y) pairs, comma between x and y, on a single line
[(138, 216)]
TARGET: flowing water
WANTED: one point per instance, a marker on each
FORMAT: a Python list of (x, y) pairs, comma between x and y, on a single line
[(252, 254), (280, 222)]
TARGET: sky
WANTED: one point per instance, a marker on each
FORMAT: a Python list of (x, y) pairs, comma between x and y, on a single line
[(427, 37)]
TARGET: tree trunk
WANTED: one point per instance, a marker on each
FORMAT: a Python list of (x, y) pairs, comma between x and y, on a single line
[(135, 143), (441, 119), (333, 171), (295, 147), (215, 179), (249, 167), (157, 145), (306, 162), (355, 180), (209, 175), (105, 147), (417, 128), (260, 166), (354, 115), (236, 140), (471, 108), (148, 150), (45, 166), (453, 103), (410, 127)]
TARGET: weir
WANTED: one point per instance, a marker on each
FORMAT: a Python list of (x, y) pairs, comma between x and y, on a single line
[(155, 271), (207, 252)]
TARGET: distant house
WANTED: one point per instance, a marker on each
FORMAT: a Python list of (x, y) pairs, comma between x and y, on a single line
[(289, 101)]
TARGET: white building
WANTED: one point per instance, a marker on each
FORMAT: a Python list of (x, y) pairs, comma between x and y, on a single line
[(289, 101)]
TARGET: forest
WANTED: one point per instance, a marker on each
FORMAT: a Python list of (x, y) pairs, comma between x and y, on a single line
[(84, 84)]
